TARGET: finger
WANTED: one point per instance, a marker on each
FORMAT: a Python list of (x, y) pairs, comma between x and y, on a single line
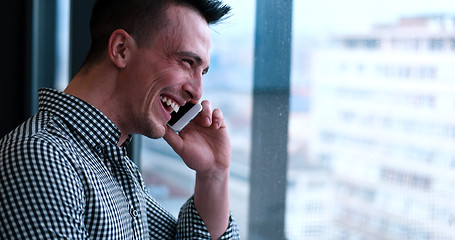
[(173, 139), (217, 119), (206, 113)]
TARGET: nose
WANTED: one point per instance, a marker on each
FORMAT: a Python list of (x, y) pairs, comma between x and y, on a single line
[(194, 87)]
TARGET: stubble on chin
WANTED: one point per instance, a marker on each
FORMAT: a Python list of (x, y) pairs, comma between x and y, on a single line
[(152, 129)]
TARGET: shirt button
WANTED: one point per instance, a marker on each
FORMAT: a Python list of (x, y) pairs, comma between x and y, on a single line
[(98, 149), (134, 212)]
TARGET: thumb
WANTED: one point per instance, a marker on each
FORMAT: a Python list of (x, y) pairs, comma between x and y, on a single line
[(173, 139)]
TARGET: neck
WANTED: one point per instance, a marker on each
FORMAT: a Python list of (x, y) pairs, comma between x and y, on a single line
[(98, 88)]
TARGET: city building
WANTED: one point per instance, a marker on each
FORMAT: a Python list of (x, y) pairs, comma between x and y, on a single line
[(383, 123)]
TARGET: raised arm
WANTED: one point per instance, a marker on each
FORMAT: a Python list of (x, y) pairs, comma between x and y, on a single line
[(204, 146)]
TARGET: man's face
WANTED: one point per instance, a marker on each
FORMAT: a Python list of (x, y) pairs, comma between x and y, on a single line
[(160, 78)]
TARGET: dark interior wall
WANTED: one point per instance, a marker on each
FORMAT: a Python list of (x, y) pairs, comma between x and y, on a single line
[(80, 33), (18, 93), (14, 64)]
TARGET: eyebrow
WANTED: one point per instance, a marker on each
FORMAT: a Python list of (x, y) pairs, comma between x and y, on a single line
[(195, 57)]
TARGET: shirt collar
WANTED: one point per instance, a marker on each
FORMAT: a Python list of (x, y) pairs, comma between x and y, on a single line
[(92, 125)]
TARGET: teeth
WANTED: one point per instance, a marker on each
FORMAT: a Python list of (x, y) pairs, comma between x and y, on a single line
[(175, 107), (170, 103)]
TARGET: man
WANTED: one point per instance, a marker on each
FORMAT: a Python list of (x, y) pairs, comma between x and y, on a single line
[(65, 174)]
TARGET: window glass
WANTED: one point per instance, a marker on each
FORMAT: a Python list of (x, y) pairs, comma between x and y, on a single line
[(228, 86), (372, 122)]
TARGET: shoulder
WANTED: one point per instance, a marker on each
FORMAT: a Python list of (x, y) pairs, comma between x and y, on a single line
[(34, 164), (41, 132), (38, 182), (38, 146)]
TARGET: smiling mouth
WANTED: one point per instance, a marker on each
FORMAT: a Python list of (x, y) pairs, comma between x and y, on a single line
[(169, 104)]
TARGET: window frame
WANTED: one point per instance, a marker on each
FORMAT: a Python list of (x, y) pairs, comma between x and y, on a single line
[(269, 138)]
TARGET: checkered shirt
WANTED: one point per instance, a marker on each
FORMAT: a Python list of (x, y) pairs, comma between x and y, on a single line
[(62, 176)]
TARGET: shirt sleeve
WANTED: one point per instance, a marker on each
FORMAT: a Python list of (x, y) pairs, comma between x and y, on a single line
[(191, 226), (41, 197), (162, 225)]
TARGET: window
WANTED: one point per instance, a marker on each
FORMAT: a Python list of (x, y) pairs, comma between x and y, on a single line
[(370, 124), (379, 137)]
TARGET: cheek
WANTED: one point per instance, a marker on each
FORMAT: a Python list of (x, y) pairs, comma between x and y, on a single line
[(167, 80), (148, 82), (171, 77)]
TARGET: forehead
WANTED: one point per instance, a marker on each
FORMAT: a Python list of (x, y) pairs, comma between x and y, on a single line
[(186, 31), (182, 14)]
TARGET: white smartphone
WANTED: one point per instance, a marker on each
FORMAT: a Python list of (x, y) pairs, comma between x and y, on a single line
[(185, 114)]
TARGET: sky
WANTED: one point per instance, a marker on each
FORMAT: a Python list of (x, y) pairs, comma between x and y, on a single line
[(341, 16), (336, 16)]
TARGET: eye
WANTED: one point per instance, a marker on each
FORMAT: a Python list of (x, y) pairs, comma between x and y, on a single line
[(188, 62)]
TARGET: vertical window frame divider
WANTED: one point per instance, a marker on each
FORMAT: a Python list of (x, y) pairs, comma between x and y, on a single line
[(271, 92), (43, 49)]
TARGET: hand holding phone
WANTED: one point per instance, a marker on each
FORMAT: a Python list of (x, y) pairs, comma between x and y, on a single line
[(206, 146), (185, 114)]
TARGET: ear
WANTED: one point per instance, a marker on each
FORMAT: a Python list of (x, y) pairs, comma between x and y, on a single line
[(119, 48)]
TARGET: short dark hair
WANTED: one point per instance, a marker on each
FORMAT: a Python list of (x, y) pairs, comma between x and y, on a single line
[(141, 19)]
